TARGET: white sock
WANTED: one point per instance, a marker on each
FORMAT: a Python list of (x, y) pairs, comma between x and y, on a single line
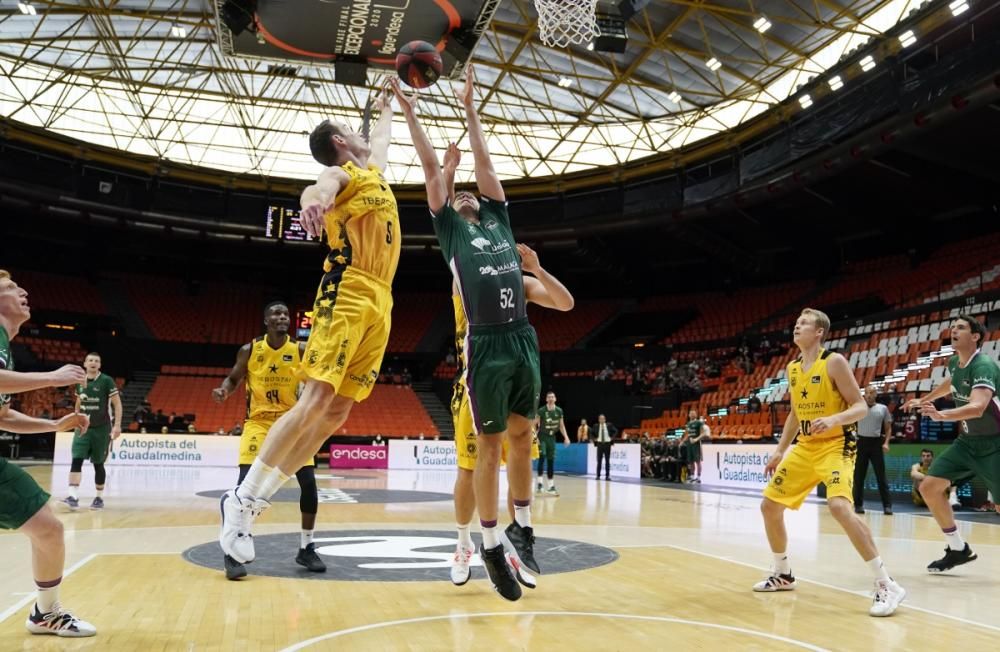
[(464, 535), (548, 483), (100, 493), (307, 538), (74, 491), (490, 538), (47, 598), (954, 539), (781, 566), (271, 485), (522, 515), (256, 476), (878, 569), (540, 480)]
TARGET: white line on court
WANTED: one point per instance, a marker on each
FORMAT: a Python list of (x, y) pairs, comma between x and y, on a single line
[(818, 583), (25, 601), (515, 614)]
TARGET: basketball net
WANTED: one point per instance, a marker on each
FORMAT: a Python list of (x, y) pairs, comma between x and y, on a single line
[(562, 23)]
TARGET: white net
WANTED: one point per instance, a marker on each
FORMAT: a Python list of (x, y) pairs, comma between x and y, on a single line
[(562, 23)]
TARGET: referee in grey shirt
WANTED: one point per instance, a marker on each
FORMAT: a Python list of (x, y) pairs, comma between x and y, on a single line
[(874, 431)]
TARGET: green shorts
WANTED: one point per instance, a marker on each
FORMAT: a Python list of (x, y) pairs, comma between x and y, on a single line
[(546, 445), (20, 496), (93, 444), (968, 457), (694, 452), (503, 374)]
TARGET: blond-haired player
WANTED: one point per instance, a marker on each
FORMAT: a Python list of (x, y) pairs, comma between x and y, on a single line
[(826, 406), (352, 202)]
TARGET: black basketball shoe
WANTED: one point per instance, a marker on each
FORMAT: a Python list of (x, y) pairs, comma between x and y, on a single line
[(307, 557), (520, 543), (234, 569), (499, 572), (951, 559)]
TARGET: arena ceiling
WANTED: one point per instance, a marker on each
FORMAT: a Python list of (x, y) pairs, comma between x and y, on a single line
[(148, 77)]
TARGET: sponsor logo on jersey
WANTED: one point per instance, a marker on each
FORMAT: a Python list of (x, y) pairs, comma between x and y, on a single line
[(506, 268), (816, 380), (481, 243), (492, 224), (287, 358)]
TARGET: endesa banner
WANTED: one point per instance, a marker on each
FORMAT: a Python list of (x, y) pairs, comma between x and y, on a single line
[(343, 456), (161, 450), (416, 454)]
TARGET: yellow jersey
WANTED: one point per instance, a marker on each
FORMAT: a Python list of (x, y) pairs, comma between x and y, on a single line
[(813, 395), (272, 378), (362, 227), (461, 327)]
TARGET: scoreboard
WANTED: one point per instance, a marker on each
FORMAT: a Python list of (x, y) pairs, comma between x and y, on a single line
[(282, 223), (303, 324)]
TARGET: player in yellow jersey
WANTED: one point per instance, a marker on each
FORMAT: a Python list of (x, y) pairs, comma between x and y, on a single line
[(352, 202), (270, 365), (826, 406)]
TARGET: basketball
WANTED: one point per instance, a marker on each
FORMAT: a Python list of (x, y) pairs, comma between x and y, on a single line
[(419, 64)]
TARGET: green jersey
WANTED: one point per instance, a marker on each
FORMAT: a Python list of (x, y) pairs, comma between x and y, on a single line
[(550, 419), (6, 361), (694, 429), (485, 263), (982, 372), (95, 397)]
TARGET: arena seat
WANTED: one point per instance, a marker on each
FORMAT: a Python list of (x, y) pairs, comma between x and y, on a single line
[(61, 292), (558, 331)]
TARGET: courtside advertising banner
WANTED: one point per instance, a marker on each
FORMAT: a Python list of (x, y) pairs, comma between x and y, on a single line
[(417, 454), (735, 465), (626, 460), (161, 450), (344, 456)]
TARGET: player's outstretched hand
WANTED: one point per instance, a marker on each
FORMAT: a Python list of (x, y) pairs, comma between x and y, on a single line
[(407, 102), (70, 374), (311, 219), (928, 410), (384, 100), (452, 157), (72, 421), (467, 96), (529, 259), (219, 394), (912, 404)]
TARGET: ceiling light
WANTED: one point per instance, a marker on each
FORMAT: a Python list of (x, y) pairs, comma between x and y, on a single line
[(565, 82), (762, 24), (178, 32), (836, 83), (675, 97), (959, 7), (867, 63), (713, 64), (907, 38), (806, 101), (28, 10)]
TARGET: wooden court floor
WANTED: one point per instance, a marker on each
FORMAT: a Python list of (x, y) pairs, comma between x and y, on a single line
[(682, 577)]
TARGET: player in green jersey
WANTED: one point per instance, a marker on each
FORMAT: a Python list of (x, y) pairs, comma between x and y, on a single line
[(549, 423), (695, 433), (93, 397), (972, 383), (502, 374), (24, 504)]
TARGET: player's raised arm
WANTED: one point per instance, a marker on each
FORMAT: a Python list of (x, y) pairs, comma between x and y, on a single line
[(381, 133), (452, 157), (235, 377), (317, 199), (437, 194), (486, 177)]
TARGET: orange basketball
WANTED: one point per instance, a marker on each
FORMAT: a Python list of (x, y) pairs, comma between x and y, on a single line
[(418, 64)]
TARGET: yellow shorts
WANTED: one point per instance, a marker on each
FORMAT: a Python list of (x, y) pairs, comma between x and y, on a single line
[(252, 440), (465, 432), (350, 330), (830, 461)]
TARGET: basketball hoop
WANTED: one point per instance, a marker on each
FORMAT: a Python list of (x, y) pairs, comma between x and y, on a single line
[(562, 23)]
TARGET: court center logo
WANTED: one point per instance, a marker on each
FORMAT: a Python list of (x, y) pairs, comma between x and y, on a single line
[(392, 556)]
